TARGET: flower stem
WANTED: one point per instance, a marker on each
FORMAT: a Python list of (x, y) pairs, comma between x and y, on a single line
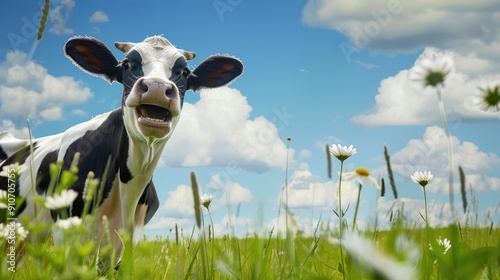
[(426, 213), (286, 186), (341, 215), (450, 175), (450, 154), (357, 206), (213, 240)]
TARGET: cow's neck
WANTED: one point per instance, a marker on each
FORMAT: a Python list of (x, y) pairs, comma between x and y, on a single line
[(141, 159)]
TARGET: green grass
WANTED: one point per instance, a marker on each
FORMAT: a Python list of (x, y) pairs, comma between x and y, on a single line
[(370, 254), (258, 257), (380, 254)]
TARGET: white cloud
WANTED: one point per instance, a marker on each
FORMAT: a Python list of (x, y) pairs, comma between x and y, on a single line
[(217, 131), (280, 223), (305, 153), (21, 133), (492, 183), (366, 65), (59, 15), (431, 153), (306, 191), (235, 194), (180, 201), (232, 193), (178, 208), (230, 224), (395, 25), (51, 114), (27, 90), (169, 223), (411, 209), (439, 214), (99, 16), (79, 112), (399, 102)]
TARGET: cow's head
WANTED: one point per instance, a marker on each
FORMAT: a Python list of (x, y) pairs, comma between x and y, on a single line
[(155, 76)]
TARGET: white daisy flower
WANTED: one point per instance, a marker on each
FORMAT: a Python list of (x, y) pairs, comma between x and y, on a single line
[(69, 222), (342, 152), (21, 232), (12, 168), (488, 97), (205, 200), (62, 200), (6, 231), (3, 199), (422, 178), (374, 260), (444, 245), (432, 70), (361, 175)]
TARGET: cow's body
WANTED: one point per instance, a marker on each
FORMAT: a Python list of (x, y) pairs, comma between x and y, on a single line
[(155, 77)]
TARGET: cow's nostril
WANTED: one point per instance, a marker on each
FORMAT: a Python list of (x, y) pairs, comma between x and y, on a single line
[(143, 87), (169, 91)]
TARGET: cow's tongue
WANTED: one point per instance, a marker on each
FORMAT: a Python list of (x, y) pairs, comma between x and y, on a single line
[(154, 112)]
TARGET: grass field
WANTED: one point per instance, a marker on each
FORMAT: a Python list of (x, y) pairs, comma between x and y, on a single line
[(403, 251), (475, 255)]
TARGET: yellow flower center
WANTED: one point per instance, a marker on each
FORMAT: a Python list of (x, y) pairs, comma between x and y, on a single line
[(362, 171)]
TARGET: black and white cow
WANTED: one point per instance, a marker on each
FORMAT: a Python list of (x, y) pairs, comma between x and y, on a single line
[(155, 76)]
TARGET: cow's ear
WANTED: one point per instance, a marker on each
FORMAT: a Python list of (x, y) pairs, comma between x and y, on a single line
[(215, 71), (93, 57)]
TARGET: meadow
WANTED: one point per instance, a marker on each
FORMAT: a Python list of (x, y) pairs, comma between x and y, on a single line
[(404, 250)]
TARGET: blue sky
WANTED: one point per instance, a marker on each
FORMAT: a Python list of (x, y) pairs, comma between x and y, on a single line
[(318, 71)]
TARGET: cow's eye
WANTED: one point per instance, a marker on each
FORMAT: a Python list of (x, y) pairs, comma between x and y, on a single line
[(126, 64), (185, 72)]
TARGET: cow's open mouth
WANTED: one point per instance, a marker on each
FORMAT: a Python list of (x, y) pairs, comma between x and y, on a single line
[(153, 114)]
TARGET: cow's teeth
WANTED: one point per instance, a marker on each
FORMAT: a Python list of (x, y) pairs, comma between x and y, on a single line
[(153, 119)]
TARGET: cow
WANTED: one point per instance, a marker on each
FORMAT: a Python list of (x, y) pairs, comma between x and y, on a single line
[(155, 76)]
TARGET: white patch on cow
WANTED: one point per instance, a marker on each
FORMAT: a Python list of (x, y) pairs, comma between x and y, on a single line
[(76, 132), (11, 144), (45, 145), (140, 214), (142, 162)]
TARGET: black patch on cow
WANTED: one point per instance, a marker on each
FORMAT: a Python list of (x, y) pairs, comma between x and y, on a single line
[(180, 72), (131, 71), (43, 173), (20, 157), (125, 174), (96, 147), (150, 198), (3, 154)]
